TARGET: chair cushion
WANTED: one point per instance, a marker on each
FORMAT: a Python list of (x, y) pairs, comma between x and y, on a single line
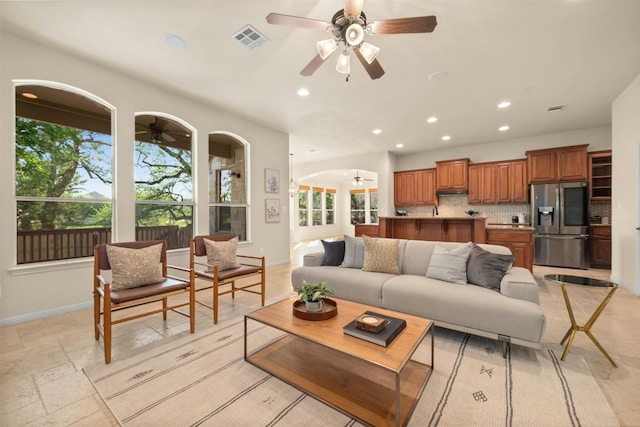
[(242, 270), (166, 285), (222, 253), (487, 269), (449, 265), (131, 268), (380, 255), (333, 252)]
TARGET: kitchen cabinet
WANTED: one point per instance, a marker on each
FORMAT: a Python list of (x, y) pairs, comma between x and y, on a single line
[(601, 246), (511, 182), (370, 230), (482, 183), (600, 163), (414, 188), (561, 164), (452, 175), (518, 240), (441, 229)]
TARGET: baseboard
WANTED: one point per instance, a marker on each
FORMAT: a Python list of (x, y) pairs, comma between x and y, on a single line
[(46, 313)]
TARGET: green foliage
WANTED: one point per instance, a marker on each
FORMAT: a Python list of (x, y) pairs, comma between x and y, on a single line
[(310, 292)]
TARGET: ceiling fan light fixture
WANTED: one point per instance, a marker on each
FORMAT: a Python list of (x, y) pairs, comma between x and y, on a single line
[(369, 52), (353, 8), (326, 47), (344, 63), (354, 34)]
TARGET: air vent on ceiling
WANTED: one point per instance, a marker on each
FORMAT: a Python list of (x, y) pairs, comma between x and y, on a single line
[(250, 37), (556, 108)]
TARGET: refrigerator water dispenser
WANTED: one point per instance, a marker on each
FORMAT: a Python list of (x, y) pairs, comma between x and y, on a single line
[(545, 216)]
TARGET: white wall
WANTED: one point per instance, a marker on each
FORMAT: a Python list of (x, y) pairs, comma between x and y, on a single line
[(598, 138), (625, 266), (35, 291)]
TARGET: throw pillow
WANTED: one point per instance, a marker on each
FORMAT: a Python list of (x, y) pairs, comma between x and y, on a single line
[(222, 254), (449, 265), (486, 269), (333, 252), (380, 255), (131, 268), (353, 252)]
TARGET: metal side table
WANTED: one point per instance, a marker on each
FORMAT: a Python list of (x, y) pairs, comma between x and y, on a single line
[(564, 279)]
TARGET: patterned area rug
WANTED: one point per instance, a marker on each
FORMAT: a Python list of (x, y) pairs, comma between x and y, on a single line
[(204, 380)]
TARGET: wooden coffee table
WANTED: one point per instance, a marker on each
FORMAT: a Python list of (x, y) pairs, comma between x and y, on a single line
[(376, 385)]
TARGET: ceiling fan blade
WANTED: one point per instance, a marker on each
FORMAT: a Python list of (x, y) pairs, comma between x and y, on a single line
[(419, 24), (296, 21), (168, 137), (374, 69), (312, 66), (353, 8)]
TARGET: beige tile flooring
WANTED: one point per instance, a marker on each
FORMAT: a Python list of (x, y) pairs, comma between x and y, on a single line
[(41, 361)]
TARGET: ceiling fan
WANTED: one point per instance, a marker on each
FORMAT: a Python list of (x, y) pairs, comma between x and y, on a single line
[(349, 26), (358, 181), (158, 132)]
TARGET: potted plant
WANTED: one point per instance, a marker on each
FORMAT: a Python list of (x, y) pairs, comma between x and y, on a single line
[(312, 295)]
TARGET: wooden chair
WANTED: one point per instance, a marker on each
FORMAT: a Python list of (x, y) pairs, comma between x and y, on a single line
[(250, 266), (107, 300)]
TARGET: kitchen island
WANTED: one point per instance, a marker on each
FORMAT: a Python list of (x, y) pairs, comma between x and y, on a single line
[(435, 228)]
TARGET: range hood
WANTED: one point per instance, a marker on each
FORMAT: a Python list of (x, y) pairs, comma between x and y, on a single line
[(451, 191)]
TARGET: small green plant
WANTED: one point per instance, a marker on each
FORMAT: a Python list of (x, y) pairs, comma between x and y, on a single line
[(311, 292)]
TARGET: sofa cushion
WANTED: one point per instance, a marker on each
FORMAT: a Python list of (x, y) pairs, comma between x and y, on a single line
[(353, 252), (380, 255), (131, 268), (333, 252), (222, 254), (486, 269), (450, 265)]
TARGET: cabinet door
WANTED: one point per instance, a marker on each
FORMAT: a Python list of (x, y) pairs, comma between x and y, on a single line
[(482, 183), (475, 184), (425, 187), (542, 166), (600, 252), (573, 164), (523, 254), (459, 177), (518, 187), (489, 183), (404, 188), (443, 176), (461, 232), (503, 182)]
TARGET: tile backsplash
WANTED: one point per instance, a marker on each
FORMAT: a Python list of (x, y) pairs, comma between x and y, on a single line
[(456, 205)]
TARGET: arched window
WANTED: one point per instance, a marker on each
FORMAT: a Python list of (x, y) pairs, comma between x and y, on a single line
[(228, 190), (163, 180), (63, 172)]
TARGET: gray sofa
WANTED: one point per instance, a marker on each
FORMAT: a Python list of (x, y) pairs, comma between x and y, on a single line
[(512, 314)]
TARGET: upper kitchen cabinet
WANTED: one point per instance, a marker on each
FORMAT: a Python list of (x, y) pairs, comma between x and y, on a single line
[(482, 183), (414, 188), (452, 175), (561, 164), (600, 175), (512, 182)]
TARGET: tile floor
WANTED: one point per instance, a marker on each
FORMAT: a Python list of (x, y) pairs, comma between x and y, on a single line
[(41, 361)]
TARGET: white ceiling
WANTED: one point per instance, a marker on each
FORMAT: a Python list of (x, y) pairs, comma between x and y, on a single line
[(537, 54)]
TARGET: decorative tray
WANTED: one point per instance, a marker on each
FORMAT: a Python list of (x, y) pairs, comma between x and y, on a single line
[(329, 310)]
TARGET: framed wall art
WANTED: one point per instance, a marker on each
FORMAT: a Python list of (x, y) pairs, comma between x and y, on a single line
[(272, 210), (272, 180)]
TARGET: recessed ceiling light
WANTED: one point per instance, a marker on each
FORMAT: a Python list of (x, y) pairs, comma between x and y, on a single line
[(377, 131), (438, 75), (504, 104), (503, 128), (446, 137), (432, 119), (175, 41), (29, 95), (303, 92), (399, 145)]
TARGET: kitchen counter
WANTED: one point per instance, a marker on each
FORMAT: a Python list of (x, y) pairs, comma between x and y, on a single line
[(509, 226), (435, 228)]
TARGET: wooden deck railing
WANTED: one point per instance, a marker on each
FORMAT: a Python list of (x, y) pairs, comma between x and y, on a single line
[(52, 245)]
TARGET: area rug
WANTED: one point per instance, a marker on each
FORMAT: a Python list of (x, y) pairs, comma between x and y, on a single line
[(204, 380)]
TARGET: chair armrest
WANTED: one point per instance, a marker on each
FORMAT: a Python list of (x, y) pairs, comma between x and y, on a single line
[(249, 256), (177, 267), (313, 259)]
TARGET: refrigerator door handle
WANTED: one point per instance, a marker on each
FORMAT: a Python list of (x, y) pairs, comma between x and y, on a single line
[(563, 236)]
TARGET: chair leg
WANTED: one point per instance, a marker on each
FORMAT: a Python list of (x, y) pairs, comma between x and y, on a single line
[(262, 283), (164, 308), (107, 330), (192, 307), (215, 301), (233, 289), (96, 314)]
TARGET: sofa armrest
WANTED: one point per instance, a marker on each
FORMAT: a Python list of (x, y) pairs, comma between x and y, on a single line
[(313, 259), (519, 283)]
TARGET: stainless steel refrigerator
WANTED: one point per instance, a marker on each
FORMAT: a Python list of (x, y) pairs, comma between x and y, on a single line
[(560, 220)]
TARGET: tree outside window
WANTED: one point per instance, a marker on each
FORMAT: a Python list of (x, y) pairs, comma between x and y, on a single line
[(373, 205), (163, 184), (63, 177), (330, 199), (357, 206), (316, 213), (303, 206)]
